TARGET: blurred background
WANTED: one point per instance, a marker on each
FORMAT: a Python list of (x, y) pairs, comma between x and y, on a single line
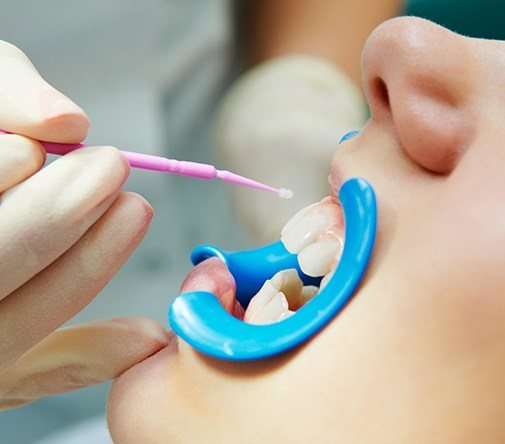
[(149, 75)]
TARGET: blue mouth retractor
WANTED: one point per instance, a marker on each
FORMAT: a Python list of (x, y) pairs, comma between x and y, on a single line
[(199, 318)]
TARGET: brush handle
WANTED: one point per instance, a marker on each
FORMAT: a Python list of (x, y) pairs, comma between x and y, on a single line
[(143, 161), (181, 167)]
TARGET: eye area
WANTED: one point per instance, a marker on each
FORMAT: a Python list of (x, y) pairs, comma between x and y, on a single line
[(349, 135)]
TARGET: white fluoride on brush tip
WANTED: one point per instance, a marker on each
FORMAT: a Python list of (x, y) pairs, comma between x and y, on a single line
[(284, 193)]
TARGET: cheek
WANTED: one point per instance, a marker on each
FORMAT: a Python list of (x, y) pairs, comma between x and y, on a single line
[(192, 398), (448, 266)]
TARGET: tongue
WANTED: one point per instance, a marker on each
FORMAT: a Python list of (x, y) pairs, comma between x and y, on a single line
[(213, 276)]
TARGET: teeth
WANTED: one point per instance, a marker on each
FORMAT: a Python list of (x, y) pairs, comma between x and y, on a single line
[(286, 315), (260, 300), (303, 232), (315, 234), (277, 298), (273, 311), (291, 286), (317, 258), (325, 280), (308, 293), (284, 293), (271, 304), (303, 212), (323, 219)]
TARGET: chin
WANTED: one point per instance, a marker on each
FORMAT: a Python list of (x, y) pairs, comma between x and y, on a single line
[(136, 399)]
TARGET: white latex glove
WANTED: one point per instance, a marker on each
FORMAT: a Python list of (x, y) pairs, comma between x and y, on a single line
[(280, 124), (64, 231)]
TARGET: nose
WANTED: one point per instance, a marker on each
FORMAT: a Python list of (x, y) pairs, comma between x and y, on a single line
[(417, 77)]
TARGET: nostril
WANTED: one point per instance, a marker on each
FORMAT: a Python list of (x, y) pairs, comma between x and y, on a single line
[(380, 91)]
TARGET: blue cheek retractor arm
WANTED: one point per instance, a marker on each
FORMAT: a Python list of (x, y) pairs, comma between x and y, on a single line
[(199, 318)]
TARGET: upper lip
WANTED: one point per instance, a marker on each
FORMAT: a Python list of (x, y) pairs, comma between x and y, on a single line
[(335, 180), (339, 173)]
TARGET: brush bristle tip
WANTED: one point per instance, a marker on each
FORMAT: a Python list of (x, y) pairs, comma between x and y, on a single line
[(284, 193)]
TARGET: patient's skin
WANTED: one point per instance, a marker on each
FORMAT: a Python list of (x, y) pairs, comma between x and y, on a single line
[(419, 354)]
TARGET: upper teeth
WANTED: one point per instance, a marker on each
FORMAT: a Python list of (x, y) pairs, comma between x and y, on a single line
[(297, 217), (317, 259), (325, 280), (304, 232), (315, 234)]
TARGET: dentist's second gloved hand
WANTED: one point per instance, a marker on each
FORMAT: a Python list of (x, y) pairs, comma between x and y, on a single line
[(280, 124), (65, 230)]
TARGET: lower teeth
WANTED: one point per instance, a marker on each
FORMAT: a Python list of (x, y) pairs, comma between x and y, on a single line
[(280, 297)]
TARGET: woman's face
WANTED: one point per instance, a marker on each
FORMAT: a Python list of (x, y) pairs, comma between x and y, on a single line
[(418, 355)]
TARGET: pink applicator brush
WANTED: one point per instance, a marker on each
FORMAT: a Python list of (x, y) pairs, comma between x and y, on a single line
[(158, 163)]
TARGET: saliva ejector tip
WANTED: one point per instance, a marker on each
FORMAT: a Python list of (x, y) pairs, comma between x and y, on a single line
[(285, 193)]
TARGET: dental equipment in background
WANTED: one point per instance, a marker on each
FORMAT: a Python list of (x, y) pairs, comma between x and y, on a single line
[(181, 167)]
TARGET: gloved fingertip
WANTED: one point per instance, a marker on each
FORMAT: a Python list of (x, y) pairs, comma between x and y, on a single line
[(145, 328), (62, 120)]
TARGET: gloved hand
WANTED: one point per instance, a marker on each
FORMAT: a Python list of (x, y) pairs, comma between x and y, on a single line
[(280, 124), (64, 231)]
